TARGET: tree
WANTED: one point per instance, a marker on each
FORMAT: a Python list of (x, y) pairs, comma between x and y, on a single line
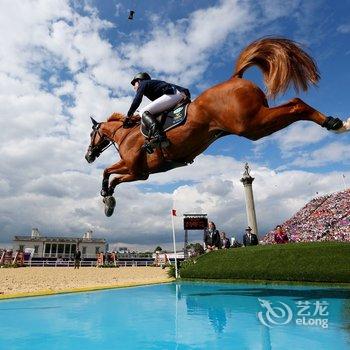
[(196, 249)]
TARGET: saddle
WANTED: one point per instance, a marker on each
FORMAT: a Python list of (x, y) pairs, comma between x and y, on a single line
[(171, 118)]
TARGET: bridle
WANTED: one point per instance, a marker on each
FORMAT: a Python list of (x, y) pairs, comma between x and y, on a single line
[(95, 149)]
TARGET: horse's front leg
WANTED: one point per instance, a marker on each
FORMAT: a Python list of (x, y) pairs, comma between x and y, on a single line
[(118, 168), (109, 200)]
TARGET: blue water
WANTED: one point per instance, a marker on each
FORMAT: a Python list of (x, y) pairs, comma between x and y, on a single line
[(181, 316)]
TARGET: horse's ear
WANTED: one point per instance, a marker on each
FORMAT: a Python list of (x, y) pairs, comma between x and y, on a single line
[(94, 122)]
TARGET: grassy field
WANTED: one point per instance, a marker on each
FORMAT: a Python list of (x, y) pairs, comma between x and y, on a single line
[(303, 262)]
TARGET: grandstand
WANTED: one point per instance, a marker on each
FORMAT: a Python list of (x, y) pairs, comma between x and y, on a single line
[(325, 218)]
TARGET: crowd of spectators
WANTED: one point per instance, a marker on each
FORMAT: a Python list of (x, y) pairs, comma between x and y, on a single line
[(325, 218)]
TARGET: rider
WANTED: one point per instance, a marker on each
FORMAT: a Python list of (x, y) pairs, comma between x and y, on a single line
[(163, 96)]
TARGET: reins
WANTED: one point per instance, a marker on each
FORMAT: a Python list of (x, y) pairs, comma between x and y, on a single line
[(112, 141)]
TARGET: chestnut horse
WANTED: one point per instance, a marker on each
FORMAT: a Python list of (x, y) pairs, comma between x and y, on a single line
[(236, 106)]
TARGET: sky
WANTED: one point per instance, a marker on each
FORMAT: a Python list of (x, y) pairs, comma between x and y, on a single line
[(62, 61)]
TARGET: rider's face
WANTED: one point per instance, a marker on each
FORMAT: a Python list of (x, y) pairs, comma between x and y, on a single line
[(136, 85)]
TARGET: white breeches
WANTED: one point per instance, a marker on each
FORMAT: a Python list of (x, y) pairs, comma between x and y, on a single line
[(162, 103)]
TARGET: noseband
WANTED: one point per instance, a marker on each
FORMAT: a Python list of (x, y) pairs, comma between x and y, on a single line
[(95, 150)]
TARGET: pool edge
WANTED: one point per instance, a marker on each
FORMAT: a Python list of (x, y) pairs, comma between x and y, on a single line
[(41, 293), (268, 282)]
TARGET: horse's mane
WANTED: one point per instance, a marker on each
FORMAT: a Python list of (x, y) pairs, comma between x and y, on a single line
[(116, 117)]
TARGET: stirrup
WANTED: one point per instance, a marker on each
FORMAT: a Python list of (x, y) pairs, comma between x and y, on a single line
[(165, 143), (162, 142), (148, 147), (160, 139)]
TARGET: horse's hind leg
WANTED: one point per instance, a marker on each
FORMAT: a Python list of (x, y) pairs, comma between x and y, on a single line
[(270, 120)]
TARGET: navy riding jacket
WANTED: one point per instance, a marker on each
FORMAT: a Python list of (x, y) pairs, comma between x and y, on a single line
[(154, 89)]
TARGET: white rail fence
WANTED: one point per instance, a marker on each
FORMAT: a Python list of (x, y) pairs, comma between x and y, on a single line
[(133, 263)]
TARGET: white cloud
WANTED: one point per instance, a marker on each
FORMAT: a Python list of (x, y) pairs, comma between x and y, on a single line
[(274, 9), (331, 153), (300, 135), (297, 136), (202, 169), (296, 141), (344, 28), (65, 88)]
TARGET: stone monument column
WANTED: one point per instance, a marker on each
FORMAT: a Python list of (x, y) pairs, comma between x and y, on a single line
[(247, 181)]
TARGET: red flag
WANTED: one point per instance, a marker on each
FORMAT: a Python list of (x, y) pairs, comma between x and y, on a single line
[(173, 211)]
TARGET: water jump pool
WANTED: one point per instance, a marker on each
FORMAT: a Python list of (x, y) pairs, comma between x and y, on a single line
[(181, 316)]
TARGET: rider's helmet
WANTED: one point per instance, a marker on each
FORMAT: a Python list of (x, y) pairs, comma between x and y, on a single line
[(140, 76)]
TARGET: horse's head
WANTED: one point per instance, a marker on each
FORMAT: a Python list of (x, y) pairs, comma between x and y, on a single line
[(98, 142)]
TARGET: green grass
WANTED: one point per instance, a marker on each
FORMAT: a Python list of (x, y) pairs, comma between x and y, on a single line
[(303, 262)]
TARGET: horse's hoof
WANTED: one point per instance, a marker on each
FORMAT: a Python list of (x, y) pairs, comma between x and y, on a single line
[(104, 193), (110, 203), (344, 128)]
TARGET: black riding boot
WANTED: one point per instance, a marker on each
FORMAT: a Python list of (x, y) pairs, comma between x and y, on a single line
[(154, 130)]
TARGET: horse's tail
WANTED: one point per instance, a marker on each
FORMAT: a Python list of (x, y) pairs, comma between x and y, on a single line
[(282, 62)]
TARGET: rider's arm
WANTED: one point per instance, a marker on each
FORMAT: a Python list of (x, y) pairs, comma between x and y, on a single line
[(137, 100)]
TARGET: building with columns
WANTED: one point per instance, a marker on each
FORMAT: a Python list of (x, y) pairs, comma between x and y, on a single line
[(60, 247)]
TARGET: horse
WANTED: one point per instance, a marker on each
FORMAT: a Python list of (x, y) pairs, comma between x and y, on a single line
[(236, 106)]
